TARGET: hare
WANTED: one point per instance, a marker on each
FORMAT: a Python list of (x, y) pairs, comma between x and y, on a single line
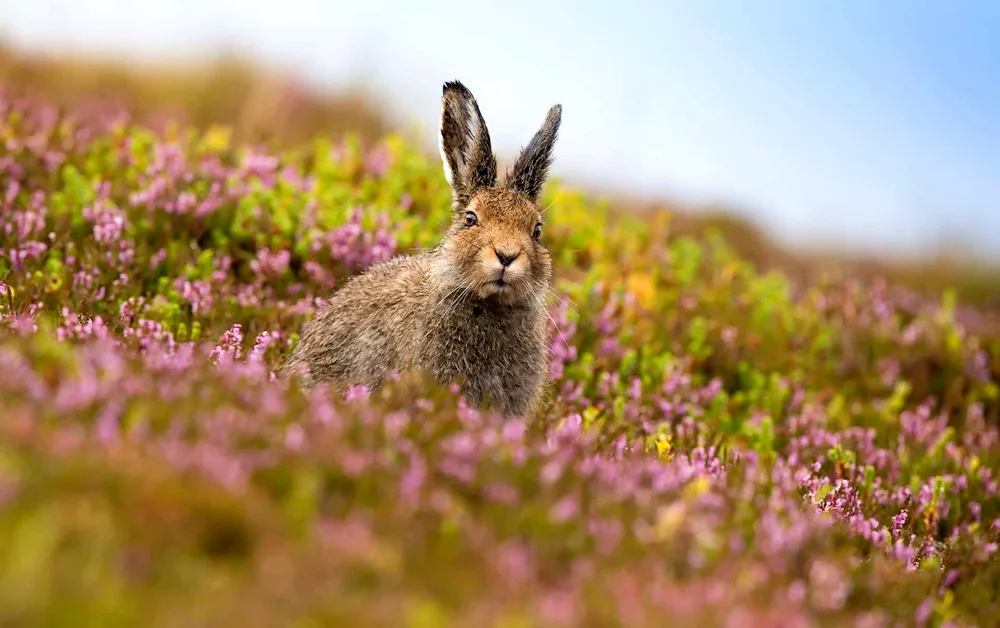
[(469, 311)]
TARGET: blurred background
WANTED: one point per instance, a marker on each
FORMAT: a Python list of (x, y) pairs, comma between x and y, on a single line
[(855, 130)]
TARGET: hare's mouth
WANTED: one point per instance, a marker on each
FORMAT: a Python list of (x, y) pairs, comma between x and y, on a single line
[(500, 284)]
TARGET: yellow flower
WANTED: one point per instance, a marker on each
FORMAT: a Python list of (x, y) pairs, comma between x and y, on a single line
[(729, 272), (217, 138), (670, 519), (663, 447), (643, 286), (697, 487), (53, 284), (394, 145)]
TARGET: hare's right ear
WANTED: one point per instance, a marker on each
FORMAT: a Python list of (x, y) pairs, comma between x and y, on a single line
[(469, 162), (528, 173)]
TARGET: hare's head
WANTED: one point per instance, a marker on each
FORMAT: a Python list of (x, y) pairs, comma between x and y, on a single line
[(494, 247)]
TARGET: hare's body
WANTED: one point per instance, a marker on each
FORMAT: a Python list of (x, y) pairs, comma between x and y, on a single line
[(470, 311), (358, 340), (497, 351)]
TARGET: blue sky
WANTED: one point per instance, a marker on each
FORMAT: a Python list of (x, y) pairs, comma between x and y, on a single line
[(874, 125)]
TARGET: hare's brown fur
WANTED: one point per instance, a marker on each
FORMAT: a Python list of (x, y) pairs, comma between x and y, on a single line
[(471, 310)]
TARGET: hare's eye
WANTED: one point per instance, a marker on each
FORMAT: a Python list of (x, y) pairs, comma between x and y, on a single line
[(537, 233), (471, 219)]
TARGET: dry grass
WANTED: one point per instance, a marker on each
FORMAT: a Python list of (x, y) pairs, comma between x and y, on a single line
[(259, 105)]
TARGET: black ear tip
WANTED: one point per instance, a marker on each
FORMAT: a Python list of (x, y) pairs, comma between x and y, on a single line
[(454, 86)]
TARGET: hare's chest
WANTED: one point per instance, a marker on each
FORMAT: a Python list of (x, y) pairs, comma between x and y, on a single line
[(501, 357)]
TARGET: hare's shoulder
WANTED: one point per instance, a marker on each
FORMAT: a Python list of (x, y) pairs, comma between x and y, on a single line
[(400, 277)]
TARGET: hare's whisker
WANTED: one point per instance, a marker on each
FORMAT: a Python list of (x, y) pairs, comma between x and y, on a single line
[(566, 344)]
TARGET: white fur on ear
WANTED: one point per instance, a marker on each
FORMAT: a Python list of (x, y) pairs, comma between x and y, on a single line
[(448, 174), (472, 132), (464, 144)]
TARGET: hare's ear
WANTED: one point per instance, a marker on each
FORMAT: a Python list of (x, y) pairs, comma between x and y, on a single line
[(528, 173), (469, 162)]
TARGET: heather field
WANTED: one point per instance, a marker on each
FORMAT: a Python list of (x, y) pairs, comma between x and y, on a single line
[(720, 446)]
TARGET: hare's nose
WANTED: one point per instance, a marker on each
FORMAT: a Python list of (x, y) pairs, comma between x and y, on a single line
[(506, 259)]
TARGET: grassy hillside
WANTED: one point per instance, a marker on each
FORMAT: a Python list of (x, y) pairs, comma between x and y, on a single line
[(257, 103), (719, 446), (260, 105)]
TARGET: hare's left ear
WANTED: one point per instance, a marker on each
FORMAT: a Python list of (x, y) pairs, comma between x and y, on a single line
[(528, 173), (469, 162)]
